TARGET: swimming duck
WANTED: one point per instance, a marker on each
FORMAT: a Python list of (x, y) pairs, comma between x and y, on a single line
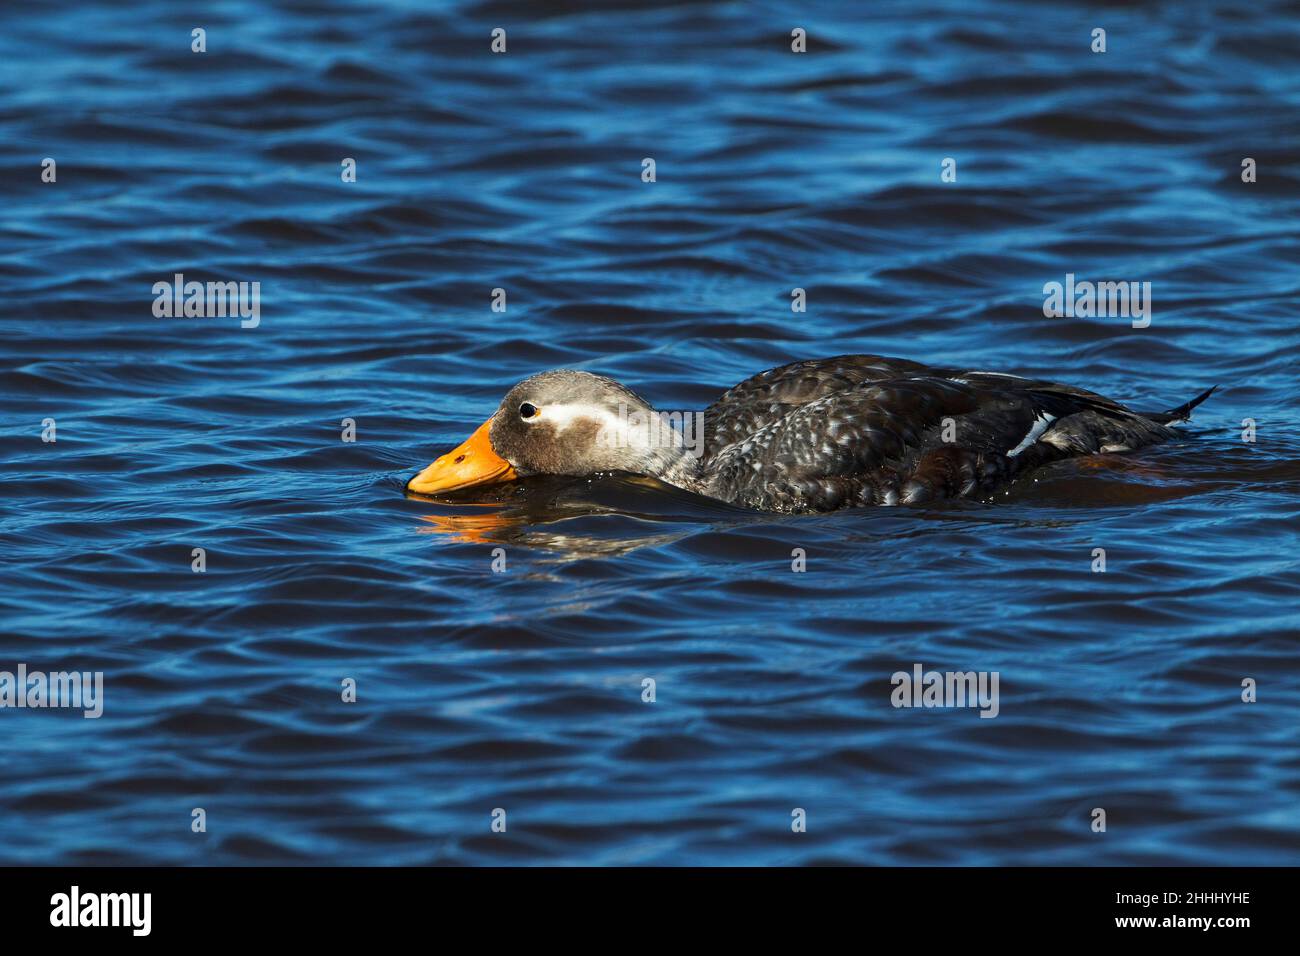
[(816, 435)]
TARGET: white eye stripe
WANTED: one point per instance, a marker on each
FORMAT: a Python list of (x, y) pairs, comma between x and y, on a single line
[(633, 429), (562, 416)]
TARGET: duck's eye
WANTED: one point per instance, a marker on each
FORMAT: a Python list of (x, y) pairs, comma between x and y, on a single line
[(527, 410)]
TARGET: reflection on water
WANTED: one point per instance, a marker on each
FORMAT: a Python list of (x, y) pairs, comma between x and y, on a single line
[(536, 504), (523, 512)]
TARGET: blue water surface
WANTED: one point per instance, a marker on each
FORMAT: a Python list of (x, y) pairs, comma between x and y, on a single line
[(522, 689)]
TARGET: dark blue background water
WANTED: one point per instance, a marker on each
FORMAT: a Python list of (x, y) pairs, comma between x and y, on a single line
[(522, 690)]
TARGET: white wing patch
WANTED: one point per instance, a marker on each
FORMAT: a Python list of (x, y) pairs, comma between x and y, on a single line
[(1035, 432), (966, 381)]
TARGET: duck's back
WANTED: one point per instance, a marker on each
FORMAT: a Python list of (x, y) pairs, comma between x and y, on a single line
[(859, 430)]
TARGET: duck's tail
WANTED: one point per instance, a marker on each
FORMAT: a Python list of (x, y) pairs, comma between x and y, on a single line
[(1182, 413)]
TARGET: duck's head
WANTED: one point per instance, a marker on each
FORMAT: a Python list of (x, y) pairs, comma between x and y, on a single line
[(563, 422)]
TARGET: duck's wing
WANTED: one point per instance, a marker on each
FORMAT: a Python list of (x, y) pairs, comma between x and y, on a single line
[(770, 395), (923, 434), (762, 398)]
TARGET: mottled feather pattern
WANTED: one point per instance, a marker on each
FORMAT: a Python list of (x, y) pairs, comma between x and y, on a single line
[(744, 408), (866, 430)]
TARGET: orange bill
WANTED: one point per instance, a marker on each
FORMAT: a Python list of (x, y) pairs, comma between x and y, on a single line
[(473, 462)]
